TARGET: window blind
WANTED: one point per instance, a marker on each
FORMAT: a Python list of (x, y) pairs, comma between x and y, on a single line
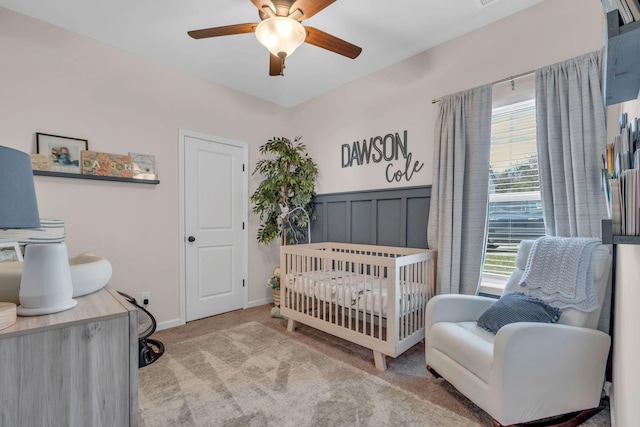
[(515, 208), (514, 160)]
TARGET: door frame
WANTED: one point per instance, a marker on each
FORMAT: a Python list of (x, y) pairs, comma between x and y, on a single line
[(182, 233)]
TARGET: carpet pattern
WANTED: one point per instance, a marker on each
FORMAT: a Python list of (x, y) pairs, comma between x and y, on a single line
[(406, 372), (251, 375)]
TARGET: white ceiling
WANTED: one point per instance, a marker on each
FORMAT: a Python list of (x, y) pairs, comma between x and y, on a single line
[(388, 32)]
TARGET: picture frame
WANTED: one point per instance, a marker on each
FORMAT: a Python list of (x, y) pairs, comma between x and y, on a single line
[(10, 251), (63, 151), (144, 166)]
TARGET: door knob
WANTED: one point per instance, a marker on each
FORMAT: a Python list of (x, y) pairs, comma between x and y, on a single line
[(191, 239)]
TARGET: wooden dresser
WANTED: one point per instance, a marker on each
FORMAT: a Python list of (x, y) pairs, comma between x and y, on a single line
[(74, 368)]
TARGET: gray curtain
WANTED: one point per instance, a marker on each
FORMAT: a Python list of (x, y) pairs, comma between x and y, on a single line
[(571, 133), (457, 215)]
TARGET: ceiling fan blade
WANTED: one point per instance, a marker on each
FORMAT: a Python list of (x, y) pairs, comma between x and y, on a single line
[(327, 41), (276, 65), (262, 3), (308, 8), (227, 30)]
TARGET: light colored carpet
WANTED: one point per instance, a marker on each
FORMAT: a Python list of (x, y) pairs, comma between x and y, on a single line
[(251, 375)]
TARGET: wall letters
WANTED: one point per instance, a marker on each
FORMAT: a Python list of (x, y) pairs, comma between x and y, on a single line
[(390, 148)]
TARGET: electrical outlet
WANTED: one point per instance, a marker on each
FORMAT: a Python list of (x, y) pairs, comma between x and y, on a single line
[(145, 298)]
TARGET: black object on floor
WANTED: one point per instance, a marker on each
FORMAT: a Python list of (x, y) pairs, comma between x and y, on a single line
[(149, 350)]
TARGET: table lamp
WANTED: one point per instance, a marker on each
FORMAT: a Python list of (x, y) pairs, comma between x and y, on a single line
[(45, 286)]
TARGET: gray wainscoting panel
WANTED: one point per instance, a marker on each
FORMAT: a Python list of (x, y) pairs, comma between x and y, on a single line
[(339, 216), (417, 222), (393, 217), (361, 214), (389, 226)]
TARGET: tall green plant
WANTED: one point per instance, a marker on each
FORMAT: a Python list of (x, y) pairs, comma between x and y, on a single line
[(289, 176)]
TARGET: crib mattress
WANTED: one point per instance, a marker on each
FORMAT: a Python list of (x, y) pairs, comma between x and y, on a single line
[(366, 293)]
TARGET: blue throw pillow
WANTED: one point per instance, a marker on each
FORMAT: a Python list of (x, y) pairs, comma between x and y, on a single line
[(517, 307)]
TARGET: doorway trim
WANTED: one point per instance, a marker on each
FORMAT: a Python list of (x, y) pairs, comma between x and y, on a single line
[(182, 235)]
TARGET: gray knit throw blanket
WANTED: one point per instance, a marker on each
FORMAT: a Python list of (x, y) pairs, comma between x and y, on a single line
[(559, 272)]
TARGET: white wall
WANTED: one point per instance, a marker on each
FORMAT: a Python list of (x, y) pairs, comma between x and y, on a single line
[(399, 97), (57, 82), (626, 370)]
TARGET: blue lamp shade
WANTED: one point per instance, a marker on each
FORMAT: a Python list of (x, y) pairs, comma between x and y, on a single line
[(18, 204)]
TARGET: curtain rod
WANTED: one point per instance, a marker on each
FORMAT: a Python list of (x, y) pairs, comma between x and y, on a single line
[(506, 79)]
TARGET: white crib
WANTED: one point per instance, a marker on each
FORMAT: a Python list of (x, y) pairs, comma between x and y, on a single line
[(374, 296)]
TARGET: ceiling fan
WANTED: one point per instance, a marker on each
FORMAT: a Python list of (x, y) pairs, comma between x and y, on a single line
[(281, 32)]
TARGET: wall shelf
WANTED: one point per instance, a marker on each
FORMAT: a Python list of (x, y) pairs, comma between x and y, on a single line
[(622, 59), (95, 177), (608, 238)]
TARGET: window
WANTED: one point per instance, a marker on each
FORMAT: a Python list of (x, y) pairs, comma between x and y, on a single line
[(515, 207)]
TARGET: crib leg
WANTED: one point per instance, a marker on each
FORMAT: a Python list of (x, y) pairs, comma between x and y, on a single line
[(380, 360), (291, 325)]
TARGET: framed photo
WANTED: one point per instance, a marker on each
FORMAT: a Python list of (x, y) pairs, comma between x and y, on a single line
[(10, 251), (64, 152), (144, 166)]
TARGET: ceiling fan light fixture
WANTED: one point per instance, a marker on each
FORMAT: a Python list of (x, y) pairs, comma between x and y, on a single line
[(280, 34)]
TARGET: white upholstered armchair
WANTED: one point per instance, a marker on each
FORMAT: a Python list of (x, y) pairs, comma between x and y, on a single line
[(526, 371)]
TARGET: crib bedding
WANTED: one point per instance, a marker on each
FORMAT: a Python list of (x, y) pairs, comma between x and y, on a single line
[(366, 293)]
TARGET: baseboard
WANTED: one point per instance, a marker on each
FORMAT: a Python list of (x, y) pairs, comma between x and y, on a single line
[(259, 302), (176, 322), (168, 324)]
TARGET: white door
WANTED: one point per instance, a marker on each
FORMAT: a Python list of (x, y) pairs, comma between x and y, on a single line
[(214, 201)]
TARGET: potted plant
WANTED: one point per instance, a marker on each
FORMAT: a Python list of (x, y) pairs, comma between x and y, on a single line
[(283, 198)]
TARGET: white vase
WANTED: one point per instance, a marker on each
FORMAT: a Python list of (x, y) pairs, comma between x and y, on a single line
[(46, 285)]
